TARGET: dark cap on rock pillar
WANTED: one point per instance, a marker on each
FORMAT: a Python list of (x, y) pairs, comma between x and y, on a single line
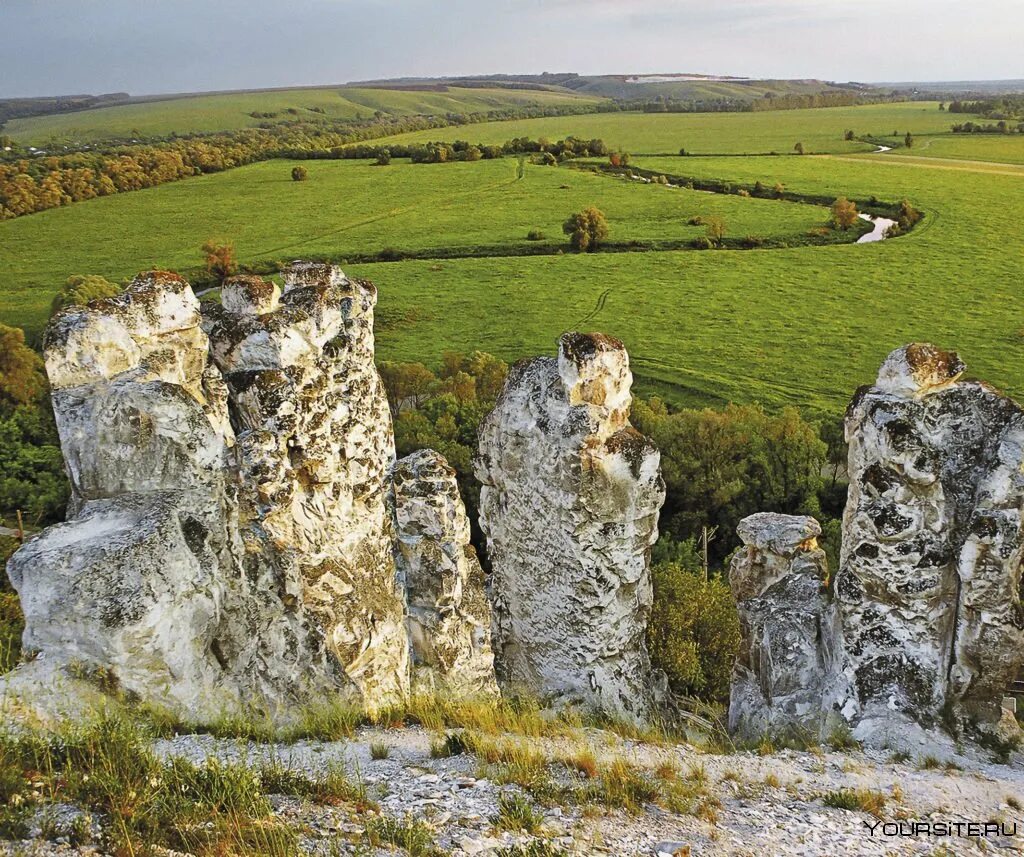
[(918, 369)]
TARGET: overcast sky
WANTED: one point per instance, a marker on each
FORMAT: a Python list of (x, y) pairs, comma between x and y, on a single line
[(148, 46)]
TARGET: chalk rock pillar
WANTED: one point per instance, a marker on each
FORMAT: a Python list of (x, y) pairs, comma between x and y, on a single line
[(789, 642), (315, 446), (132, 583), (231, 532), (930, 574), (569, 504), (449, 616)]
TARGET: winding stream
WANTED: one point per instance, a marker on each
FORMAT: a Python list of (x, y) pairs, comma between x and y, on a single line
[(881, 224)]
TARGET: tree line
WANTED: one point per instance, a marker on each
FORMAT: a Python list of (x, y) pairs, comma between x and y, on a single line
[(999, 107), (769, 101), (31, 183), (1000, 127)]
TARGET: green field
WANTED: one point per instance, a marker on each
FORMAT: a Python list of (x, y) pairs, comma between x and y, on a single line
[(820, 130), (230, 112), (348, 208), (805, 325), (1001, 148)]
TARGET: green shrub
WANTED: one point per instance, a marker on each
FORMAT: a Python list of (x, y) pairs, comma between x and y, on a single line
[(299, 174), (79, 290), (694, 632), (535, 235), (586, 229), (701, 242)]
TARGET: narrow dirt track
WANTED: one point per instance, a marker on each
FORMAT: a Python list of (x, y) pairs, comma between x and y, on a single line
[(987, 167)]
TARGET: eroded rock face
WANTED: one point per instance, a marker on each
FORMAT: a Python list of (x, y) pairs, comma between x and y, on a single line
[(137, 405), (789, 631), (314, 446), (449, 616), (132, 587), (569, 504), (929, 581), (212, 562), (929, 625)]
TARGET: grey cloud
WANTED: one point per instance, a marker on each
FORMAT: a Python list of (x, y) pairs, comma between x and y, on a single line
[(143, 46)]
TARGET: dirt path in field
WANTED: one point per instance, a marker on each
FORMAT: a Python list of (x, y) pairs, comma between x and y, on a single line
[(988, 167)]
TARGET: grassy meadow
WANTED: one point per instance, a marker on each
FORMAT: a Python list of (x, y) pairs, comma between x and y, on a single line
[(231, 111), (820, 129), (804, 325), (349, 208), (998, 148)]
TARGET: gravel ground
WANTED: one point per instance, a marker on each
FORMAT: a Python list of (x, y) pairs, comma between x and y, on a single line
[(770, 805)]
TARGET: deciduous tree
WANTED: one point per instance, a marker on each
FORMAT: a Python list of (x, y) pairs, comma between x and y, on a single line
[(219, 259), (586, 229), (21, 370), (844, 213), (715, 229)]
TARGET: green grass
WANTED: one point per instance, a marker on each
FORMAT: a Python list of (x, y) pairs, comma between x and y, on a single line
[(411, 834), (805, 325), (856, 800), (108, 768), (820, 130), (348, 208), (998, 148), (707, 89), (516, 813), (230, 111)]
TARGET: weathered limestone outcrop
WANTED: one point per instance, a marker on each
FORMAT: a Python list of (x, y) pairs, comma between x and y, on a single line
[(210, 562), (927, 600), (788, 625), (449, 616), (132, 582), (929, 584), (314, 447), (569, 504)]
